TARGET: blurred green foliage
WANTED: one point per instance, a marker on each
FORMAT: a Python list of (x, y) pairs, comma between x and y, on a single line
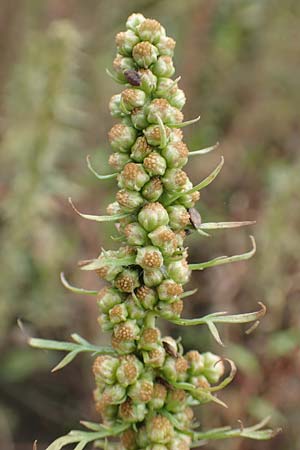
[(239, 63)]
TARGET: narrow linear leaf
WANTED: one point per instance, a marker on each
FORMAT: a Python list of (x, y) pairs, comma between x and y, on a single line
[(226, 380), (222, 225), (173, 84), (98, 218), (74, 289), (66, 360), (97, 263), (163, 133), (111, 75), (203, 151), (97, 175), (188, 293), (243, 318), (184, 124), (46, 344), (215, 333), (211, 177)]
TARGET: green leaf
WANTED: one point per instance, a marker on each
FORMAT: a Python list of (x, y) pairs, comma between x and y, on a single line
[(98, 218), (163, 133), (188, 293), (97, 263), (97, 175), (225, 259), (184, 124), (74, 289), (204, 150), (222, 225)]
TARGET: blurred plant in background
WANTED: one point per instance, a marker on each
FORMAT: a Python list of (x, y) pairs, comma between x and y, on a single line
[(240, 60)]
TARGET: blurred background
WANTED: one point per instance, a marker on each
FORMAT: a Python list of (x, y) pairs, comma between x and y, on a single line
[(239, 61)]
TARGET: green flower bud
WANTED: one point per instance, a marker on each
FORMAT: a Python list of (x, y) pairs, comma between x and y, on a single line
[(175, 180), (139, 118), (127, 331), (180, 236), (185, 417), (152, 278), (132, 177), (148, 81), (155, 164), (176, 155), (177, 99), (152, 216), (195, 361), (118, 160), (140, 149), (149, 339), (129, 370), (104, 322), (170, 310), (129, 200), (175, 369), (159, 429), (165, 87), (179, 271), (142, 438), (163, 67), (153, 189), (213, 367), (107, 271), (113, 208), (153, 134), (133, 98), (107, 298), (121, 64), (135, 311), (104, 407), (201, 382), (104, 369), (122, 137), (116, 393), (145, 54), (176, 135), (127, 280), (118, 313), (134, 20), (155, 358), (147, 297), (135, 234), (169, 291), (165, 239), (179, 217), (128, 440), (189, 200), (114, 106), (141, 391), (123, 347), (149, 258), (125, 41), (181, 442), (176, 400), (159, 396), (132, 412), (166, 46), (168, 114), (150, 30)]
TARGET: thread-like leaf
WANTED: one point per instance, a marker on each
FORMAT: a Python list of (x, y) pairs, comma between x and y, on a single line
[(74, 289), (163, 133), (97, 175), (184, 124), (97, 263), (113, 218), (222, 225), (203, 151)]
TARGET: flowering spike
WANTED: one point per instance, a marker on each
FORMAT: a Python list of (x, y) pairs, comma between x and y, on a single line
[(145, 382)]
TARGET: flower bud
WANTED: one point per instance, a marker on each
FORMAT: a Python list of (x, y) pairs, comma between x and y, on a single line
[(125, 41), (159, 396), (165, 239), (163, 67), (189, 200), (200, 381), (134, 20), (150, 30), (153, 189), (127, 331), (142, 438), (129, 200), (165, 87), (179, 217), (155, 358), (177, 99), (135, 234), (128, 440), (118, 313), (121, 64), (118, 160), (127, 280), (149, 339), (132, 412), (175, 180), (152, 278), (160, 107), (135, 311), (133, 98), (129, 371), (179, 271), (181, 442), (133, 177), (104, 322), (166, 46), (149, 258), (213, 367), (175, 369), (148, 81), (169, 291), (153, 134), (185, 417), (114, 106), (105, 408), (176, 400), (170, 310), (122, 137), (113, 208), (155, 164), (176, 155), (141, 391), (152, 216), (147, 297), (104, 369), (159, 429), (122, 347), (139, 118), (145, 54), (195, 361), (140, 149), (176, 135), (107, 271), (107, 298), (116, 393)]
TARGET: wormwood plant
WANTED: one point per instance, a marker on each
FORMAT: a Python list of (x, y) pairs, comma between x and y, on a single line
[(145, 383)]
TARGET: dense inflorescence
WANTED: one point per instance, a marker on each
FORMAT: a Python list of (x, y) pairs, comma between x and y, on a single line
[(145, 383)]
